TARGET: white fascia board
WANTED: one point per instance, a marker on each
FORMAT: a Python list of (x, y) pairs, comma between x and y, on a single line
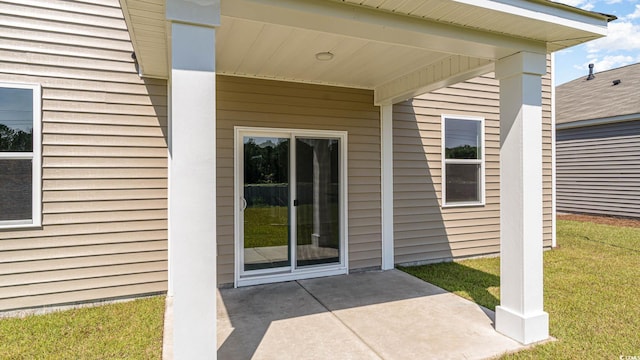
[(548, 12), (379, 26), (448, 71), (600, 121)]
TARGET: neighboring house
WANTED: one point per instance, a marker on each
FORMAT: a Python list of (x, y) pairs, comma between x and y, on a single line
[(179, 145), (598, 143)]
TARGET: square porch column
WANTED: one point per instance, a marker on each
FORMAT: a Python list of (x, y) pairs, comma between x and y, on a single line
[(192, 178), (386, 168), (520, 314)]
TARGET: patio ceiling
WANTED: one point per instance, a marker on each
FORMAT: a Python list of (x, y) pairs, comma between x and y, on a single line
[(399, 48)]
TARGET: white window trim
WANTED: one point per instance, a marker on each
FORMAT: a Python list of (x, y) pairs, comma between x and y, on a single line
[(35, 155), (463, 161)]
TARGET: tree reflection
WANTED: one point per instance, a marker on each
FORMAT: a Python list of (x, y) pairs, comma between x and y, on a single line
[(462, 152), (15, 140), (266, 162)]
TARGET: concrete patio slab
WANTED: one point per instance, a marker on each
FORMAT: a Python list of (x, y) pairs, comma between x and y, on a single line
[(282, 321), (372, 315), (402, 317)]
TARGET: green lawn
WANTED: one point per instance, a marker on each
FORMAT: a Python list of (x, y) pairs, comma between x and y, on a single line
[(128, 330), (592, 291), (269, 225), (266, 226)]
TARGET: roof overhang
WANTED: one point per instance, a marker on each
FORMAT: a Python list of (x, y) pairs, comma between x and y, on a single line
[(398, 48)]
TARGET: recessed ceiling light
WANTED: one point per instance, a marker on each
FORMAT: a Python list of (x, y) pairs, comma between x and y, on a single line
[(324, 56)]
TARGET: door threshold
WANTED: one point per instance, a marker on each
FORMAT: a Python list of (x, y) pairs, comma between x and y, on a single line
[(291, 276)]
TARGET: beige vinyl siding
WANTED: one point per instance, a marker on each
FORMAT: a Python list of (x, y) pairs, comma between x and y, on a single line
[(272, 104), (425, 231), (104, 177)]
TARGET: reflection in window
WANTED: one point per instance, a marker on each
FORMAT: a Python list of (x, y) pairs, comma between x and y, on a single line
[(16, 119), (19, 157), (15, 189), (463, 179)]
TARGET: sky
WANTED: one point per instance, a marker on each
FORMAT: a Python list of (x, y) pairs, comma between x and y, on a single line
[(16, 108), (621, 46)]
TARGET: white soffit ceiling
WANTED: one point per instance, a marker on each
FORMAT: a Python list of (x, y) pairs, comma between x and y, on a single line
[(247, 46), (146, 20)]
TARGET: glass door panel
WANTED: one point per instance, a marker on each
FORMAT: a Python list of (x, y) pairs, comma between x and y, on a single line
[(266, 203), (318, 201)]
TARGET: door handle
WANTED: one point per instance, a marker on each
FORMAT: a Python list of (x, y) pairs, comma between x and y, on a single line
[(244, 204)]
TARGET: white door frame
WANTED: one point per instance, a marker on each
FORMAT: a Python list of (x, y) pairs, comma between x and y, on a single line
[(242, 278)]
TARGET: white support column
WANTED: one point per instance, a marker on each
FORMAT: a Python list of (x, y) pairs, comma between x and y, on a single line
[(386, 140), (192, 190), (554, 241), (520, 314)]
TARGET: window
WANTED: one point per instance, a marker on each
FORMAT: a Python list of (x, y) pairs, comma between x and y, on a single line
[(20, 143), (463, 160)]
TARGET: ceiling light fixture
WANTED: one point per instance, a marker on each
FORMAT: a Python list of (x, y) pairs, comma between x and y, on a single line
[(324, 56)]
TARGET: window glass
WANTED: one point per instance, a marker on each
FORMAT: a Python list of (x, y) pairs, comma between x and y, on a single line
[(462, 139), (16, 120), (463, 161), (15, 189), (463, 182)]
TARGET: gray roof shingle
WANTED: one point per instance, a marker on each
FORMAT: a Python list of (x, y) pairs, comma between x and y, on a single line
[(583, 99)]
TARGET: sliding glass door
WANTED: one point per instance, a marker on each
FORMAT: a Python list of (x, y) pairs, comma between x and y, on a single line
[(291, 202), (266, 203), (318, 201)]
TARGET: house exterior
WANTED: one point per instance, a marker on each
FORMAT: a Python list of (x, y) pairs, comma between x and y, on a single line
[(182, 145), (597, 143)]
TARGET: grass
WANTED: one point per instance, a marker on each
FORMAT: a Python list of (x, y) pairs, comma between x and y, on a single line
[(269, 225), (592, 283), (127, 330), (266, 226)]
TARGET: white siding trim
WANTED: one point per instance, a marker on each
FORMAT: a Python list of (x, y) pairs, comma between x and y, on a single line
[(170, 281), (386, 142), (553, 153)]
